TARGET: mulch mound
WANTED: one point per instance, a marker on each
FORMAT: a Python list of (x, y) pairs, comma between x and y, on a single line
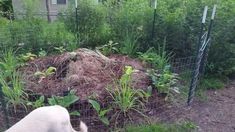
[(86, 71)]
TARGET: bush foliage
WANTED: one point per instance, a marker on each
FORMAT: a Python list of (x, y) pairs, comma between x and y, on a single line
[(129, 23)]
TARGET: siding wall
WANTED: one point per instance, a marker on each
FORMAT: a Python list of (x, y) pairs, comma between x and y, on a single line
[(41, 8)]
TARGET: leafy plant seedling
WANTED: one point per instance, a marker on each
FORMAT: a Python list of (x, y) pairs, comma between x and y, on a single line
[(101, 113)]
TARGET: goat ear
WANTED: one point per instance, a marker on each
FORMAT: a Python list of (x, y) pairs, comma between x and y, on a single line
[(83, 127)]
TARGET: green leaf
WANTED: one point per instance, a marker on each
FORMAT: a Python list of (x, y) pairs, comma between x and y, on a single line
[(103, 112), (128, 70), (50, 70), (65, 101), (105, 120), (2, 66), (42, 98), (69, 99), (75, 113), (38, 73), (52, 101), (95, 105)]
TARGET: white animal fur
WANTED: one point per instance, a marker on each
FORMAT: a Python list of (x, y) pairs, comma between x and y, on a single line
[(46, 119)]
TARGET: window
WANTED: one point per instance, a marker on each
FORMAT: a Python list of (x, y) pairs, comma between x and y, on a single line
[(61, 1), (54, 2)]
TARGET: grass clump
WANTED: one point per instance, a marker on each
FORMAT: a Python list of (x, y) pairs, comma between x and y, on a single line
[(13, 90), (184, 127), (10, 81), (125, 98), (211, 83)]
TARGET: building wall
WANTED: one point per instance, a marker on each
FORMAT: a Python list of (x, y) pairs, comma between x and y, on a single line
[(41, 8)]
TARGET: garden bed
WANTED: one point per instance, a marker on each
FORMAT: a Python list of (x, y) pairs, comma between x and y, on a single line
[(157, 109), (90, 73), (87, 72)]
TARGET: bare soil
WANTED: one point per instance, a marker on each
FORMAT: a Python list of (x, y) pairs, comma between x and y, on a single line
[(217, 113)]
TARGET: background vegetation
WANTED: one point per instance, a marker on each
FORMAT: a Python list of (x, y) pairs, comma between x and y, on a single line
[(123, 27), (128, 23)]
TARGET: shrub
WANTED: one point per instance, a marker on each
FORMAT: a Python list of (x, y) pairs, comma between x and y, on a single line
[(222, 51), (93, 29), (129, 23), (35, 34), (165, 81), (56, 35), (157, 59), (129, 45)]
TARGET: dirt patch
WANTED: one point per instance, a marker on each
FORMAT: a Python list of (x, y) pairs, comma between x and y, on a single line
[(86, 71), (216, 114)]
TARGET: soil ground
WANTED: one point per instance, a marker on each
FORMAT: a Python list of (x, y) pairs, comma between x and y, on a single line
[(85, 71), (88, 69), (217, 113)]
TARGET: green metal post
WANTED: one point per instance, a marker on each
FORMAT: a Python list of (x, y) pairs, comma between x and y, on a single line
[(205, 55), (195, 73), (202, 28), (154, 19), (77, 32)]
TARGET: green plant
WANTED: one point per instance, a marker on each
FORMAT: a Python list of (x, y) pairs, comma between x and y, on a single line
[(38, 103), (165, 81), (179, 127), (159, 59), (8, 63), (211, 83), (130, 45), (58, 38), (93, 29), (44, 74), (65, 101), (13, 90), (130, 23), (28, 57), (109, 48), (42, 53), (101, 112), (125, 98), (61, 49)]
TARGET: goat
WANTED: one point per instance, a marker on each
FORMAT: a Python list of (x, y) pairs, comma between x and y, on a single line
[(47, 119)]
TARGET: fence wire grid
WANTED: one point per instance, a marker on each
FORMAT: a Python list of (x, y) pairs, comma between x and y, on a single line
[(157, 109)]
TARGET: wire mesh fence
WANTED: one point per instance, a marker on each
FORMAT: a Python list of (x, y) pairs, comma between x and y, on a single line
[(158, 108)]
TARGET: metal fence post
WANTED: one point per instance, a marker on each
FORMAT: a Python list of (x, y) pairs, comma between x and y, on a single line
[(76, 21), (154, 19), (2, 100), (205, 55), (196, 70)]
